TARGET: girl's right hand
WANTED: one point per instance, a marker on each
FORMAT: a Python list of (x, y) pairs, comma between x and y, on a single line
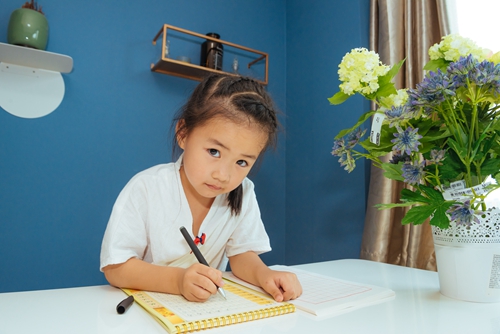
[(199, 282)]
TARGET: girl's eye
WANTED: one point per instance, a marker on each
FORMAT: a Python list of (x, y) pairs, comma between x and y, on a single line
[(213, 152), (242, 163)]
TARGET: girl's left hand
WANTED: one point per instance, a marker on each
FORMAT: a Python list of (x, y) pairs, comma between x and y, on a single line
[(282, 285)]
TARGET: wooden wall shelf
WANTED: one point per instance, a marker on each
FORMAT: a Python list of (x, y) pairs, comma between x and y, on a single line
[(196, 72)]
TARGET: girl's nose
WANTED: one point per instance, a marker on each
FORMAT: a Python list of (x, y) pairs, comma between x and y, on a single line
[(221, 173)]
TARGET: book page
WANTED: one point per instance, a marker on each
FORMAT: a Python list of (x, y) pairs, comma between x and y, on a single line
[(326, 296), (177, 314), (238, 301)]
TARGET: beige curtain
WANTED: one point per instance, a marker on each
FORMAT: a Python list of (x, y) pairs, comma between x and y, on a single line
[(401, 29)]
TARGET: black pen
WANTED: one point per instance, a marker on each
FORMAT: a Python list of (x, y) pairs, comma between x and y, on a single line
[(198, 255), (124, 304)]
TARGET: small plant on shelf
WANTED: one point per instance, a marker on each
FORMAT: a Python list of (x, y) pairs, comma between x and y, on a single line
[(28, 26), (33, 5)]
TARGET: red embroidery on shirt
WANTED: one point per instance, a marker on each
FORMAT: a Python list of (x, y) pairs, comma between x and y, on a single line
[(200, 240)]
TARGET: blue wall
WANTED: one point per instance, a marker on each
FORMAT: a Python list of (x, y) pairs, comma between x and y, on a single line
[(60, 174), (325, 206)]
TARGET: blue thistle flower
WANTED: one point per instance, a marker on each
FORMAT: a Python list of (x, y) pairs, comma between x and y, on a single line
[(397, 114), (469, 70), (406, 141), (347, 161), (413, 174), (487, 75), (354, 137), (463, 66), (344, 153), (398, 157), (338, 147), (463, 214), (437, 156), (432, 91)]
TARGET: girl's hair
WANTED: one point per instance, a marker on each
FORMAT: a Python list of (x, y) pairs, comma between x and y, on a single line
[(239, 99)]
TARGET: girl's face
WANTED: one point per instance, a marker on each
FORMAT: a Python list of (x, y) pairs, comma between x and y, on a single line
[(218, 156)]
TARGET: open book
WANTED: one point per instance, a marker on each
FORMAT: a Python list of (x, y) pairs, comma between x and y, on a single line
[(177, 315), (327, 296)]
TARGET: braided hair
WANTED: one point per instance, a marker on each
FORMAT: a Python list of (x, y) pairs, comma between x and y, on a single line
[(236, 98)]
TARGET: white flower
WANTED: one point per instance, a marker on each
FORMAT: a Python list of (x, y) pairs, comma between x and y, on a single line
[(359, 72), (394, 100), (454, 46)]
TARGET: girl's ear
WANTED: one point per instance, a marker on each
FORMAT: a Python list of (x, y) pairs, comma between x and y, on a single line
[(180, 133)]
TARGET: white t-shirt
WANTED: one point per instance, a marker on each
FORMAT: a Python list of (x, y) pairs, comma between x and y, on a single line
[(149, 211)]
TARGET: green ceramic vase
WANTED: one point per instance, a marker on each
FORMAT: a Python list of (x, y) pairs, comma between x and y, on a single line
[(27, 27)]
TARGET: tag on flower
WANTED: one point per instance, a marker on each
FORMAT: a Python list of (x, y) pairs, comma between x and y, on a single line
[(457, 185), (378, 119), (459, 192)]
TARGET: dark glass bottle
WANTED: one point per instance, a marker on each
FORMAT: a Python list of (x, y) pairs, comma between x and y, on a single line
[(211, 53)]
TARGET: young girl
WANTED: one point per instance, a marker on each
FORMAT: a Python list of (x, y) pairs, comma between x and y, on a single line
[(223, 129)]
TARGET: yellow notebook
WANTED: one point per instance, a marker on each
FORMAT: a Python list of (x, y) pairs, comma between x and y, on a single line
[(178, 315)]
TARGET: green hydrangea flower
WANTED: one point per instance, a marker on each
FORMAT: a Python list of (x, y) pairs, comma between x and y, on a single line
[(454, 46), (394, 100), (359, 72)]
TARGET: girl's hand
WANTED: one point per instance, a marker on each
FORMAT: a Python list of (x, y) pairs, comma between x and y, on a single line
[(198, 282), (282, 285)]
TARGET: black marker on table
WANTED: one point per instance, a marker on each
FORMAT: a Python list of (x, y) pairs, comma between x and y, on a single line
[(198, 255), (124, 304)]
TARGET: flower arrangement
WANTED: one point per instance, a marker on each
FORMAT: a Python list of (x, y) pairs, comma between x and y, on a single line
[(444, 134)]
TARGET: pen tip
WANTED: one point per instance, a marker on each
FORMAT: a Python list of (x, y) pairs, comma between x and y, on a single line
[(223, 294)]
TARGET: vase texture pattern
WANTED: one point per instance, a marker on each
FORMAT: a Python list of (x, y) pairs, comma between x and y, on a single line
[(27, 27), (468, 259)]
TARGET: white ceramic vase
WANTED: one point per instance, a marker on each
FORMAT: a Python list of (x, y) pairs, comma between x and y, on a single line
[(468, 259)]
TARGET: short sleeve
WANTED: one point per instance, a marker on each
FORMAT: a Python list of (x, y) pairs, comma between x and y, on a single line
[(250, 233), (125, 236)]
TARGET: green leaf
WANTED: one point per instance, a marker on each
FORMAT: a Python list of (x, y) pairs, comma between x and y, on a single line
[(436, 64), (435, 196), (489, 143), (386, 86), (392, 171), (386, 135), (418, 214), (496, 125), (394, 70), (386, 90), (431, 132), (437, 205), (394, 205), (338, 98), (459, 150), (413, 196), (490, 167), (451, 167), (387, 78), (440, 219), (478, 142), (427, 203), (361, 120)]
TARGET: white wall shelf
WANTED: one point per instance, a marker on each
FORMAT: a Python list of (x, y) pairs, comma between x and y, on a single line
[(29, 57), (31, 84)]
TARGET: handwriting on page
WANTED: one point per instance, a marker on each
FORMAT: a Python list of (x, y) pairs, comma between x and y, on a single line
[(216, 306)]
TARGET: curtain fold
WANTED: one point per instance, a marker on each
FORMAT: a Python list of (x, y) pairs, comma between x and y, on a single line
[(401, 29)]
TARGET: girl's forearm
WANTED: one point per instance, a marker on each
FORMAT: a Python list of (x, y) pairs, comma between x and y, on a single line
[(248, 266), (137, 274)]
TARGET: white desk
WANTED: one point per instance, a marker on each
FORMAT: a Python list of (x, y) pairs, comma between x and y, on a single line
[(417, 308)]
